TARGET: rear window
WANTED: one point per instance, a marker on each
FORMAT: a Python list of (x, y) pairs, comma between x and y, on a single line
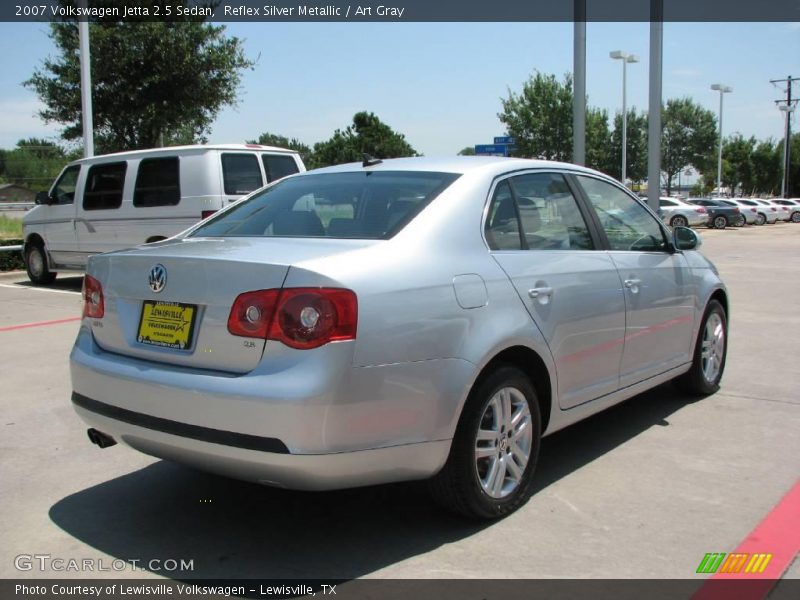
[(104, 185), (240, 173), (157, 182), (278, 167), (366, 205)]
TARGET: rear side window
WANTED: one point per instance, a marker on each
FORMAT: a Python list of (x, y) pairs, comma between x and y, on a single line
[(157, 182), (540, 207), (362, 205), (240, 173), (278, 167), (104, 185)]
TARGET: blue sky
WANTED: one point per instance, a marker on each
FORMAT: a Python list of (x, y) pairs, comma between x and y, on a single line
[(440, 83)]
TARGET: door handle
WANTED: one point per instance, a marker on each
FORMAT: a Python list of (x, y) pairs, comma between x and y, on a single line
[(540, 292), (633, 285)]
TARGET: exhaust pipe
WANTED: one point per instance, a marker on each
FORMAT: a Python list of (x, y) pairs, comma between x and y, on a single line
[(100, 439)]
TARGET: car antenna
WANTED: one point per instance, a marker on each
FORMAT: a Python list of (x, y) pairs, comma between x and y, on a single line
[(370, 161)]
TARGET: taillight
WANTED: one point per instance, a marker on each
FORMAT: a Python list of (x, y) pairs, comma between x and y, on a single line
[(701, 210), (252, 313), (753, 210), (206, 213), (93, 305), (301, 318), (736, 209)]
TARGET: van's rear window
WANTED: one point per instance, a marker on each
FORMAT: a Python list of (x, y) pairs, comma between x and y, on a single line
[(362, 205)]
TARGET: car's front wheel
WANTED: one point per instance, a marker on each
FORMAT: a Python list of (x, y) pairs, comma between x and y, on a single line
[(796, 217), (36, 265), (489, 472), (761, 219), (711, 348)]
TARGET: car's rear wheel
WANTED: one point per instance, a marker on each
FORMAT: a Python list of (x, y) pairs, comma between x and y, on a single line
[(761, 218), (678, 221), (720, 222), (36, 265), (796, 217), (489, 472), (711, 348)]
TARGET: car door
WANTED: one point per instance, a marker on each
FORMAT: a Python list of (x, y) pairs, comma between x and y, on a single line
[(540, 235), (59, 228), (656, 280)]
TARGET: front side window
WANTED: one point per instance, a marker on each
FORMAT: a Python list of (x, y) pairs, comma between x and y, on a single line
[(536, 211), (104, 184), (628, 224), (157, 182), (240, 174), (64, 189), (278, 166), (666, 203), (361, 205)]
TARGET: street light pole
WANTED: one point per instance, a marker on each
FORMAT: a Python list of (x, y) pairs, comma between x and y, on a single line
[(722, 89), (625, 58), (788, 109)]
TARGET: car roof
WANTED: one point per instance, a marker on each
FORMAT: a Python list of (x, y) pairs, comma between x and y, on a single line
[(490, 165), (184, 149)]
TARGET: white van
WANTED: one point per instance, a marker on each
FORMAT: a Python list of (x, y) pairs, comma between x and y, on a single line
[(121, 200)]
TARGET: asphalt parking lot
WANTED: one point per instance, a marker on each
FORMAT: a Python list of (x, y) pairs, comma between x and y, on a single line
[(643, 490)]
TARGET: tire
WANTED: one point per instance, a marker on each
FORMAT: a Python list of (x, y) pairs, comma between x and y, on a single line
[(679, 221), (710, 352), (36, 265), (740, 222), (720, 222), (796, 216), (466, 484), (761, 218)]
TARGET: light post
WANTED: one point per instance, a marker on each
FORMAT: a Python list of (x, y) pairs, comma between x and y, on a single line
[(787, 109), (722, 89), (625, 58)]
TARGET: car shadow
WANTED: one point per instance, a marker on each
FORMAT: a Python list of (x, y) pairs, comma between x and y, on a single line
[(233, 529), (70, 283)]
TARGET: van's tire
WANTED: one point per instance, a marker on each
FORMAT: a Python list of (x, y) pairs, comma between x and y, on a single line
[(488, 442), (710, 352), (36, 265)]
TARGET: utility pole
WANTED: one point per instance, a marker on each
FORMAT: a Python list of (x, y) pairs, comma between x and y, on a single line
[(786, 106)]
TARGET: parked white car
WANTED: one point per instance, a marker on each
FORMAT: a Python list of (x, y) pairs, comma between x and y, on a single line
[(792, 205), (749, 212), (677, 213), (121, 200)]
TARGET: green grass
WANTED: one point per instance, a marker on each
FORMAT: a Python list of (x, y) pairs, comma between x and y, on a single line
[(10, 228)]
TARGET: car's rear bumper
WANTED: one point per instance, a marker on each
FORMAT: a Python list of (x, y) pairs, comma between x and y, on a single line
[(278, 468), (321, 425)]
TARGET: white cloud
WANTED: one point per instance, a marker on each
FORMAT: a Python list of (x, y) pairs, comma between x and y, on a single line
[(19, 119)]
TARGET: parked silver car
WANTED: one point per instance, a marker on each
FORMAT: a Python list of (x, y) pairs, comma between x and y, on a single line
[(679, 213), (396, 320), (748, 211)]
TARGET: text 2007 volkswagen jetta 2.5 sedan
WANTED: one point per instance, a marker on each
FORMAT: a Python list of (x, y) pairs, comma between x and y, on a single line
[(396, 320)]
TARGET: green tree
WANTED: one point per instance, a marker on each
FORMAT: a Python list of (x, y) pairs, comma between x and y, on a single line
[(367, 134), (281, 141), (33, 163), (767, 167), (598, 141), (688, 138), (637, 146), (737, 163), (467, 151), (794, 171), (540, 117), (152, 82)]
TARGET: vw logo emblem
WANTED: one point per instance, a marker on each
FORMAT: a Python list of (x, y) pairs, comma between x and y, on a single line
[(158, 278)]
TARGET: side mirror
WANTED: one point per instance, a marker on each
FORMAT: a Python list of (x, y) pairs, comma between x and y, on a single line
[(42, 198), (686, 239)]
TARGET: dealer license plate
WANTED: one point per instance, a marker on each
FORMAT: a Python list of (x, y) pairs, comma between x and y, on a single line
[(167, 324)]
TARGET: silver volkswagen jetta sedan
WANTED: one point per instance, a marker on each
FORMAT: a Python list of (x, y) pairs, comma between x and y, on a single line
[(396, 320)]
